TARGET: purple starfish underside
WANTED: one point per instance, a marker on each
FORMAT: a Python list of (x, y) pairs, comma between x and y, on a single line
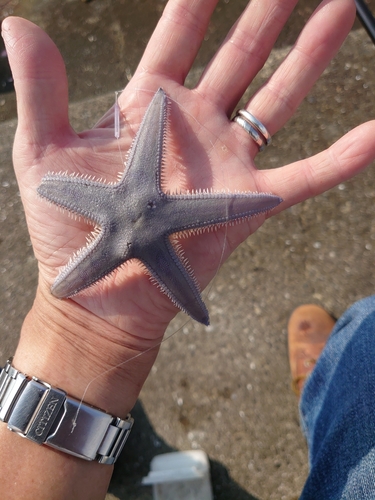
[(135, 218)]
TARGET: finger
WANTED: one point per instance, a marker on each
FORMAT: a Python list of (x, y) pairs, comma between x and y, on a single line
[(244, 52), (307, 178), (318, 43), (176, 39), (40, 81)]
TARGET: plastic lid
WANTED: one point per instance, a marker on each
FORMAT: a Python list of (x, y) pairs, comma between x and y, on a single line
[(178, 466)]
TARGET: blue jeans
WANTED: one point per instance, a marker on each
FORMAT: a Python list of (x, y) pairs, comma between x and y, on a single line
[(338, 411)]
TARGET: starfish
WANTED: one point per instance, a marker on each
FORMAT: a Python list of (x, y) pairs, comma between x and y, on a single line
[(135, 219)]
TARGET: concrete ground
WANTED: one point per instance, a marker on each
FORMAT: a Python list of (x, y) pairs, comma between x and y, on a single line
[(225, 388)]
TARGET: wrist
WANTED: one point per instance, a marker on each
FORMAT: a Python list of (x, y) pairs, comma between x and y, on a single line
[(70, 348)]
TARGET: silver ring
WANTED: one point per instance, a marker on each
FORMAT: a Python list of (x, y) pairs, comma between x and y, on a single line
[(254, 128), (255, 135), (256, 123)]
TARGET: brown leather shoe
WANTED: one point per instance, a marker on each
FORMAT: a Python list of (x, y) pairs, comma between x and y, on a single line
[(308, 330)]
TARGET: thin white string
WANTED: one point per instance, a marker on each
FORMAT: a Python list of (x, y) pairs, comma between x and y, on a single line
[(206, 294)]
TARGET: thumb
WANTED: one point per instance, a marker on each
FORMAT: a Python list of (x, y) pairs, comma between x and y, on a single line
[(40, 82)]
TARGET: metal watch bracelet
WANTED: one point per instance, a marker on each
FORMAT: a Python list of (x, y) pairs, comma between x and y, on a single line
[(46, 415)]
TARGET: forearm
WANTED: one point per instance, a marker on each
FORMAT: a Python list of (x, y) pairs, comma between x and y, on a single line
[(54, 348), (30, 472)]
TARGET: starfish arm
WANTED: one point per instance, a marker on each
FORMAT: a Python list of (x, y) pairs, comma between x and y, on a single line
[(76, 194), (193, 211), (91, 264), (146, 154), (175, 278)]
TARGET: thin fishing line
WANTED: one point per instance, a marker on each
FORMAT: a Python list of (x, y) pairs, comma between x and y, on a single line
[(117, 134), (74, 422)]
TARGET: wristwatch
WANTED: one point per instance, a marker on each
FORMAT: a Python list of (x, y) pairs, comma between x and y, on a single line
[(46, 415)]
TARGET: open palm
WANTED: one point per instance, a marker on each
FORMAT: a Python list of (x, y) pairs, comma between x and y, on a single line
[(204, 148)]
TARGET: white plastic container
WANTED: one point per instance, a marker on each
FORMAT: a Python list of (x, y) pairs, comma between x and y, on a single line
[(181, 475)]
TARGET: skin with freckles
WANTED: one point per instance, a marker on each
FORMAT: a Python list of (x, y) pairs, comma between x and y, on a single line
[(136, 218)]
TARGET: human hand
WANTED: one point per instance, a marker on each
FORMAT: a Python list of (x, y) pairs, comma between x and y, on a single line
[(204, 145)]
